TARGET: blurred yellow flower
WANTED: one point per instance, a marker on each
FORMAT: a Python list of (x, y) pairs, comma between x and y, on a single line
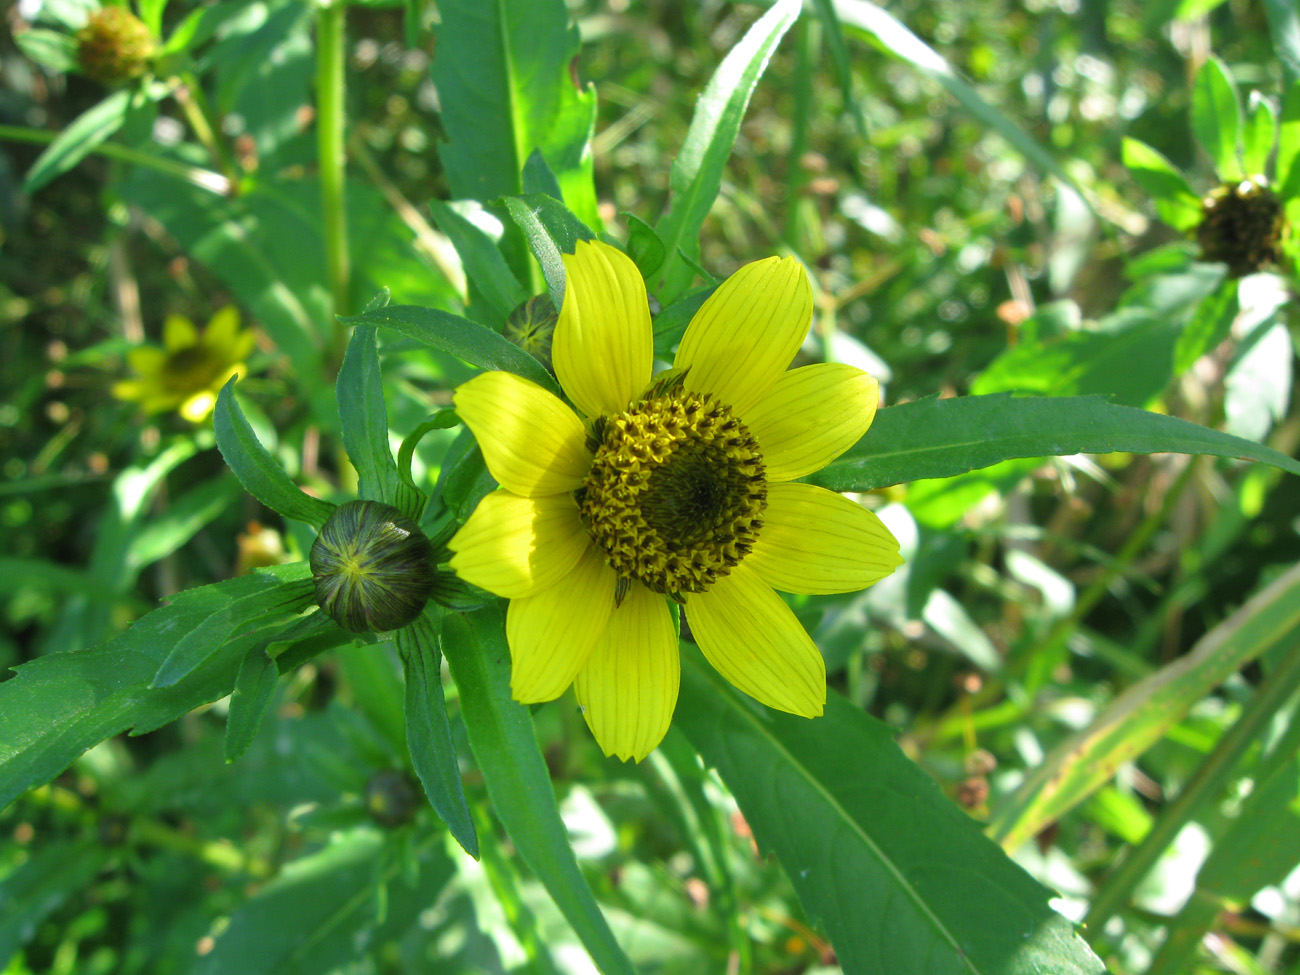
[(681, 485), (188, 372)]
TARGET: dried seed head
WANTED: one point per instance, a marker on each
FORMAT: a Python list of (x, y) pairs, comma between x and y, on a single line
[(1241, 224)]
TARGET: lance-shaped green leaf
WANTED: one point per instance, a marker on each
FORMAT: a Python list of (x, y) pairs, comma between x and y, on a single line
[(84, 133), (254, 685), (1142, 714), (696, 173), (63, 703), (1259, 848), (327, 910), (941, 438), (1208, 326), (256, 469), (209, 634), (364, 416), (894, 38), (1258, 135), (442, 420), (486, 269), (428, 732), (51, 49), (1177, 205), (476, 344), (503, 77), (902, 879), (550, 230), (505, 745), (1216, 117)]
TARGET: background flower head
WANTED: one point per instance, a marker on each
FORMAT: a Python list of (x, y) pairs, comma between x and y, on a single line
[(189, 370), (679, 486)]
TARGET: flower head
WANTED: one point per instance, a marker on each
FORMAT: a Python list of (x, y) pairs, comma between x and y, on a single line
[(680, 486), (1241, 225), (114, 46), (188, 372)]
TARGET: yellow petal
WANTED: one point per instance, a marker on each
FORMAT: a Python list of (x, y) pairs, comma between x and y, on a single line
[(223, 332), (628, 686), (515, 546), (816, 541), (811, 416), (604, 343), (753, 639), (534, 445), (743, 338), (197, 407), (146, 360), (179, 333), (552, 632), (132, 390)]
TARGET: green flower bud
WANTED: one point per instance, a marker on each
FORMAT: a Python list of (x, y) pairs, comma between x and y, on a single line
[(114, 46), (1241, 224), (373, 567), (391, 799), (532, 325)]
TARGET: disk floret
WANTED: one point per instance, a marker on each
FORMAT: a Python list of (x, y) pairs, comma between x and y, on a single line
[(676, 492)]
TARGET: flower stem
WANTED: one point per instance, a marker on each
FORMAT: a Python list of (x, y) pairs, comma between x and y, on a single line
[(329, 140), (189, 95)]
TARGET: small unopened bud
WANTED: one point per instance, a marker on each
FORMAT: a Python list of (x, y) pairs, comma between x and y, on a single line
[(372, 566), (391, 798), (114, 46), (532, 325), (1241, 224)]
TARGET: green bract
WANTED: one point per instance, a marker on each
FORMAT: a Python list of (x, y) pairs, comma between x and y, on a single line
[(372, 566)]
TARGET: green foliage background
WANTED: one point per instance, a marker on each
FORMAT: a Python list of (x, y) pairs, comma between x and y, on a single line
[(1080, 700)]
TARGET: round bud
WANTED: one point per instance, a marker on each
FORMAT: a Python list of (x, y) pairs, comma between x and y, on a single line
[(372, 566), (1241, 225), (114, 46), (391, 799)]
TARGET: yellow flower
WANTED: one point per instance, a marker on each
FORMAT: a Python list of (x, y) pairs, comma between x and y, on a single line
[(681, 486), (190, 370)]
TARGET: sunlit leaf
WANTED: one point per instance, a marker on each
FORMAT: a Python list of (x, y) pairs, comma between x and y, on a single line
[(1216, 117)]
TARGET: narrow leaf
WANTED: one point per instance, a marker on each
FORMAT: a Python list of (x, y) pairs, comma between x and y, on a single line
[(1258, 135), (643, 245), (428, 732), (91, 128), (483, 263), (209, 634), (894, 38), (1216, 117), (941, 438), (256, 469), (902, 880), (476, 344), (501, 735), (1140, 716), (49, 48), (1209, 326), (254, 686), (551, 230), (54, 871), (1284, 27), (1288, 143), (696, 173)]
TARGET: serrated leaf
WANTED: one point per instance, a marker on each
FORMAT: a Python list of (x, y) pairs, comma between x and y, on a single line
[(428, 731), (483, 263), (941, 438), (256, 469), (332, 907), (1142, 714), (550, 230), (476, 344), (88, 130), (1177, 205), (501, 735), (503, 79), (901, 879), (1216, 117), (696, 173), (61, 704), (206, 636)]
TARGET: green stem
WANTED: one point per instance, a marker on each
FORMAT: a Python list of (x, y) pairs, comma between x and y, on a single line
[(205, 178), (330, 147), (189, 95), (1209, 780)]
